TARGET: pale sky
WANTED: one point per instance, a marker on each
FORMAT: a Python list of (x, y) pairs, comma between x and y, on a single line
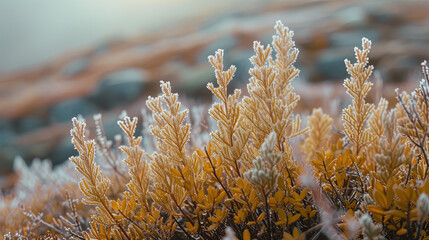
[(35, 31)]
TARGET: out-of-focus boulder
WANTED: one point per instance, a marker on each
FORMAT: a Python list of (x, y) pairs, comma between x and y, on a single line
[(30, 123), (226, 43), (353, 38), (330, 64), (63, 151), (194, 80), (65, 111), (76, 67), (353, 16), (120, 88), (242, 62)]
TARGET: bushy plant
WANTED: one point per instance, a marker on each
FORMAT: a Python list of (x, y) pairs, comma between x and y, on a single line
[(249, 180)]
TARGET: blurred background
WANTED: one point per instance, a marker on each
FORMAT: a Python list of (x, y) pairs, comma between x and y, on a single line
[(59, 59)]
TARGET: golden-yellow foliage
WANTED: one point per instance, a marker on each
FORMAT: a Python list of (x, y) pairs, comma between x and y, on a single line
[(271, 101), (231, 140), (358, 86), (248, 182), (135, 158), (319, 125)]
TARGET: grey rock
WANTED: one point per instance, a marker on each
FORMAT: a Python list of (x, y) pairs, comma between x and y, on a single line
[(102, 48), (28, 124), (5, 124), (63, 151), (303, 74), (35, 150), (119, 88), (65, 111), (408, 62), (8, 153), (76, 67), (403, 67), (7, 136), (111, 128), (353, 16), (266, 39), (226, 43), (380, 15), (330, 64), (417, 34), (353, 38), (194, 80), (242, 62)]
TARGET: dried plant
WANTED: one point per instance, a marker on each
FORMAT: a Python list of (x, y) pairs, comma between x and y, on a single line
[(247, 181)]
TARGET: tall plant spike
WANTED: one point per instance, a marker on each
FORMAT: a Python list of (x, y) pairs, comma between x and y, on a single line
[(135, 158), (231, 140), (358, 86), (94, 185), (271, 100)]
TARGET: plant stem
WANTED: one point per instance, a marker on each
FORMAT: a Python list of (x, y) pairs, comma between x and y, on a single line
[(267, 210), (183, 229)]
